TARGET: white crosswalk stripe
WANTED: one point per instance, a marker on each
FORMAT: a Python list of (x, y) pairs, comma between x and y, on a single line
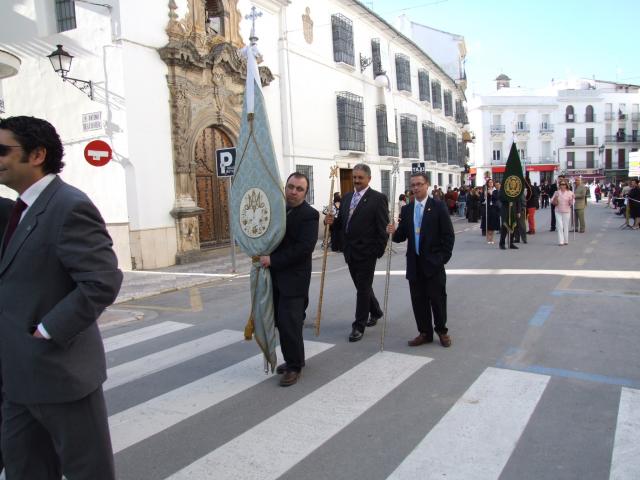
[(142, 334), (296, 431), (140, 422), (476, 438), (625, 461), (136, 369), (466, 443)]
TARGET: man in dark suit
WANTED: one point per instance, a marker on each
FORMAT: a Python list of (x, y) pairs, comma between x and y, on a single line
[(6, 206), (290, 265), (58, 273), (426, 223), (362, 220)]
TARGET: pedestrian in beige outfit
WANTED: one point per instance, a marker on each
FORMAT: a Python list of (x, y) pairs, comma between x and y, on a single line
[(580, 193)]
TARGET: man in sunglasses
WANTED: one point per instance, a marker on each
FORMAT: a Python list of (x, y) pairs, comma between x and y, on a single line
[(290, 265), (58, 273)]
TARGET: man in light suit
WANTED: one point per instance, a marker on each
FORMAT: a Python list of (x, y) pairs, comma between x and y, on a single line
[(425, 222), (290, 265), (58, 273), (362, 221)]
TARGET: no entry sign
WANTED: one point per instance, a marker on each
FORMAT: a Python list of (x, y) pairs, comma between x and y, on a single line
[(97, 153)]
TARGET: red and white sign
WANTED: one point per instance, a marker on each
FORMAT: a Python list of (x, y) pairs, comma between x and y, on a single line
[(97, 153)]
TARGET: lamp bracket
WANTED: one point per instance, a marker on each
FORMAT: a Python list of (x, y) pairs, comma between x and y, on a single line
[(364, 62), (84, 86)]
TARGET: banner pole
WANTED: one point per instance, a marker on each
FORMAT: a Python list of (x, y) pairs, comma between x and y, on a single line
[(333, 174), (394, 171)]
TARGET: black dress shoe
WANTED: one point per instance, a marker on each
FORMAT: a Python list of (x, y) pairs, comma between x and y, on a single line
[(289, 378), (513, 247), (552, 230), (282, 368), (373, 320), (502, 247), (355, 335)]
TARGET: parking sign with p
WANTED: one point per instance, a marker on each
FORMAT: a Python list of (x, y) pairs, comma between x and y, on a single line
[(226, 162)]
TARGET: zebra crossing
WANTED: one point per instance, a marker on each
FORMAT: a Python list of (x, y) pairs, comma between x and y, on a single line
[(474, 439)]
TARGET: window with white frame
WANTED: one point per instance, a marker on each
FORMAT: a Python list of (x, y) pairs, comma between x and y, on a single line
[(65, 15)]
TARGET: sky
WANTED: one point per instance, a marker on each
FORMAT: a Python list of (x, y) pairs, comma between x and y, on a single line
[(533, 41)]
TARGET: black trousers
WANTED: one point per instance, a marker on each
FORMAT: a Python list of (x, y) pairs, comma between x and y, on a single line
[(503, 236), (45, 441), (553, 217), (289, 316), (366, 302), (429, 302)]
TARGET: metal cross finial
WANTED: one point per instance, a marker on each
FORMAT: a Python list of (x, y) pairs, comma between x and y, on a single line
[(252, 16)]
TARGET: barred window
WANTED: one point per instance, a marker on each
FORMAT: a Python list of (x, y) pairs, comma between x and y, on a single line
[(385, 147), (461, 114), (441, 145), (440, 184), (65, 15), (409, 134), (423, 86), (452, 149), (308, 171), (403, 72), (385, 183), (436, 94), (376, 57), (448, 103), (462, 154), (407, 181), (342, 30), (429, 141), (350, 121)]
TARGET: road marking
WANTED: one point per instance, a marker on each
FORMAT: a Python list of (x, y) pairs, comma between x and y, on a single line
[(153, 416), (603, 293), (580, 262), (541, 315), (616, 274), (272, 447), (182, 274), (478, 434), (142, 334), (127, 372), (593, 242), (625, 459), (588, 250), (564, 283)]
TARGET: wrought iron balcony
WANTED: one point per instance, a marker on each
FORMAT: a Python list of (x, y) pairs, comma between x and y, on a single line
[(581, 141), (621, 138), (522, 127), (635, 116), (544, 159), (608, 116), (546, 127), (497, 129)]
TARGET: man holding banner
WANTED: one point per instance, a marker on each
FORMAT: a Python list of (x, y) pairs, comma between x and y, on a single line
[(511, 195)]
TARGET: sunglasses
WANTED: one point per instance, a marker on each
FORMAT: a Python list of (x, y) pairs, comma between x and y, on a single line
[(563, 184), (5, 149)]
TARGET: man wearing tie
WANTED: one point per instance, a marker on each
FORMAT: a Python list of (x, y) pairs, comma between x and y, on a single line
[(58, 273), (362, 220), (425, 223)]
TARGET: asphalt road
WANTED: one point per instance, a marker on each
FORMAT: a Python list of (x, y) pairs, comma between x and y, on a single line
[(542, 380)]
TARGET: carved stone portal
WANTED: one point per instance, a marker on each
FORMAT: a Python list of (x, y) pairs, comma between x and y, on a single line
[(206, 79)]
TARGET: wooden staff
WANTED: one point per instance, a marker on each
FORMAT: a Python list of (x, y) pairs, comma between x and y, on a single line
[(395, 170), (332, 175)]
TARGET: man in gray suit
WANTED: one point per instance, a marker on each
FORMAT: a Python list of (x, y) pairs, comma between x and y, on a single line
[(58, 272)]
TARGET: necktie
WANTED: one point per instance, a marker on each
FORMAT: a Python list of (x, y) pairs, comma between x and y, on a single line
[(354, 203), (14, 219), (417, 221)]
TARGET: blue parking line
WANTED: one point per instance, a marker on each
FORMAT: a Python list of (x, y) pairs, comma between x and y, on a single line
[(559, 372), (541, 315)]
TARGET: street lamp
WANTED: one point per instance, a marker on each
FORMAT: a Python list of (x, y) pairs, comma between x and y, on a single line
[(61, 63)]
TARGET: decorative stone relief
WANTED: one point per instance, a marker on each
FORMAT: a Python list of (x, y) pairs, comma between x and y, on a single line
[(307, 25)]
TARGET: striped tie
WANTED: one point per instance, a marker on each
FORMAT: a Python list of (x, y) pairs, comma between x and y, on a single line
[(417, 221)]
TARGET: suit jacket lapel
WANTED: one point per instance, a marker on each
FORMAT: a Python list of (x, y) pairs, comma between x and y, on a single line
[(29, 223), (362, 202)]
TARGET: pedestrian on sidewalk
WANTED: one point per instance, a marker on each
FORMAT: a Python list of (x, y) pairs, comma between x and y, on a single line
[(363, 219), (580, 193), (58, 273), (290, 266), (426, 224), (490, 211), (634, 204), (533, 204), (562, 200)]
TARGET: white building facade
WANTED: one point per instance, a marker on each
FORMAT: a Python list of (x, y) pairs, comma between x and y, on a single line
[(581, 128), (166, 92)]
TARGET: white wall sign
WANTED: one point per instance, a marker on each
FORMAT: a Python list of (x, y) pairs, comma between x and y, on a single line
[(91, 121)]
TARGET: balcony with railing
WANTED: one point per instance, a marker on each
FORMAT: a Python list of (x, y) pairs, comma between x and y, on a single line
[(542, 160), (522, 127), (635, 116), (581, 141), (608, 116), (622, 138), (497, 129), (546, 127)]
